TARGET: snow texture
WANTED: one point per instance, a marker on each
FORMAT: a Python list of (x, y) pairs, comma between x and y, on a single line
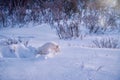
[(76, 61)]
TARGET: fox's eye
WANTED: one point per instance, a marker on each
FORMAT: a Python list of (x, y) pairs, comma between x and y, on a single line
[(57, 46)]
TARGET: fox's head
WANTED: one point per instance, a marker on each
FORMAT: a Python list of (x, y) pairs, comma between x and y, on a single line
[(57, 48)]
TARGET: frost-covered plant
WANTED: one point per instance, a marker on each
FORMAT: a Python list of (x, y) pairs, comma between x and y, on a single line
[(108, 42), (100, 20), (67, 29), (11, 41), (93, 21)]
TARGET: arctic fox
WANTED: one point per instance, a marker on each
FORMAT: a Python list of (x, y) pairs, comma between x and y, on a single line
[(49, 49)]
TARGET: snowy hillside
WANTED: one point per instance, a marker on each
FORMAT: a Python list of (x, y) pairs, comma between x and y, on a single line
[(78, 59)]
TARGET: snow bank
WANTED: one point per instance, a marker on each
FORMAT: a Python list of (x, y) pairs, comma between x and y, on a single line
[(72, 64), (75, 62), (17, 51)]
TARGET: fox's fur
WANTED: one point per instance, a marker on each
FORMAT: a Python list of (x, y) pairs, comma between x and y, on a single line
[(50, 48)]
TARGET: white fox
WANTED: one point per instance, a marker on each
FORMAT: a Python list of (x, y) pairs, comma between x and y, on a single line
[(49, 49)]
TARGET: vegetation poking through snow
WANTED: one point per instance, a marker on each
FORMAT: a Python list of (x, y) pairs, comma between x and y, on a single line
[(11, 41), (88, 22), (84, 13), (108, 42), (66, 29)]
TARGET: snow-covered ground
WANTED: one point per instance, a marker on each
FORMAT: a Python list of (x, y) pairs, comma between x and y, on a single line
[(76, 61)]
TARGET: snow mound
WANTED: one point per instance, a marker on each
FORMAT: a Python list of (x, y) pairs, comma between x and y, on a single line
[(17, 51)]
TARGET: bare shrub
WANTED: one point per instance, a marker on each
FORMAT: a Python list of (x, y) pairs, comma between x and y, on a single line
[(107, 43), (90, 19), (67, 29)]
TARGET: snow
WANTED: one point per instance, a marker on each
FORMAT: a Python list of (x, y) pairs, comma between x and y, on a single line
[(76, 61)]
